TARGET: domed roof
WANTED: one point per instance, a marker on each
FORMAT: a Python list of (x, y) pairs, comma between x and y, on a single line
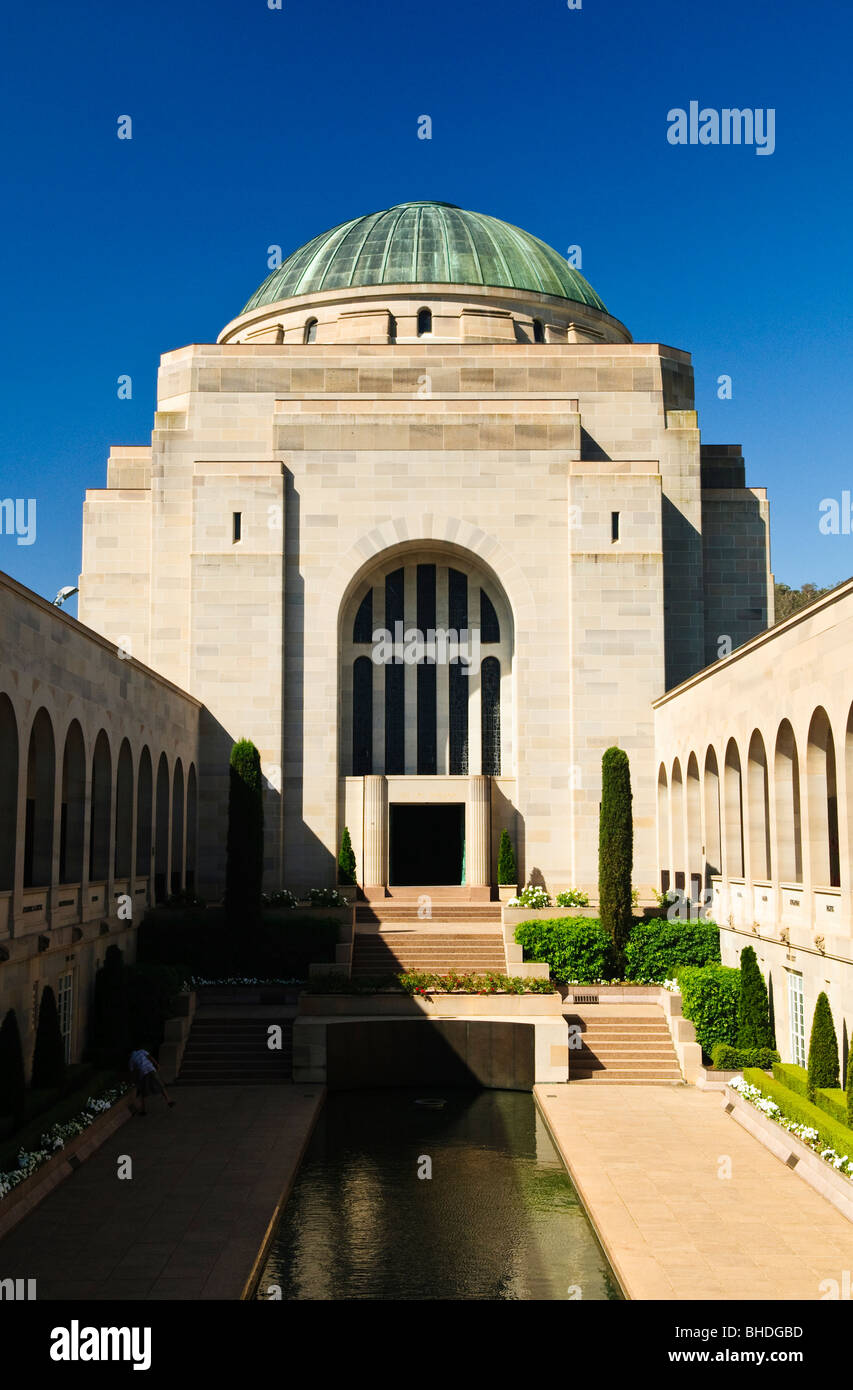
[(424, 243)]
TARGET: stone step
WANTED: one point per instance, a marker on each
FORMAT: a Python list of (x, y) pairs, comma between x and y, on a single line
[(611, 1079)]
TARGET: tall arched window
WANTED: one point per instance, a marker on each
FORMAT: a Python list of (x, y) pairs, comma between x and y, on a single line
[(362, 716), (490, 715), (310, 334), (362, 628), (822, 803), (538, 331), (490, 628), (424, 322), (395, 723)]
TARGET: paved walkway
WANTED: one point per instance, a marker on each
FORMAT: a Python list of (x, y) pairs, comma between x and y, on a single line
[(208, 1177), (646, 1161)]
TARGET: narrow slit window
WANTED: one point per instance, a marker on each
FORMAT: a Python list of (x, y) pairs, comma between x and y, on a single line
[(614, 526), (236, 527), (310, 334), (424, 322), (538, 331)]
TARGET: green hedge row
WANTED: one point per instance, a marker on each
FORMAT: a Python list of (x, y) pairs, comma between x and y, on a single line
[(728, 1058), (578, 948), (829, 1099), (796, 1107)]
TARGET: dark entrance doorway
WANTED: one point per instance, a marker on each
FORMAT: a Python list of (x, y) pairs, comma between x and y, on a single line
[(426, 844)]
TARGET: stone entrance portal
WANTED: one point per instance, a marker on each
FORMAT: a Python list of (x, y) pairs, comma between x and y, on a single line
[(426, 843)]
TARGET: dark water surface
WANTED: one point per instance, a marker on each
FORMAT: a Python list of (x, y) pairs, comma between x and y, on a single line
[(498, 1219)]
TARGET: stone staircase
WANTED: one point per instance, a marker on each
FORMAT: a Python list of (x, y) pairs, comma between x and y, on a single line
[(231, 1048), (391, 912), (627, 1048)]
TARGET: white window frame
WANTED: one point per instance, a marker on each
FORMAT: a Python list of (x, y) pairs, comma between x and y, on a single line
[(65, 1008), (797, 1018)]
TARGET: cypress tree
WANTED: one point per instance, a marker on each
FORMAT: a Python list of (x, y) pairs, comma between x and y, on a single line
[(13, 1083), (111, 1040), (507, 871), (850, 1088), (823, 1048), (244, 865), (753, 1010), (346, 859), (615, 848), (49, 1053)]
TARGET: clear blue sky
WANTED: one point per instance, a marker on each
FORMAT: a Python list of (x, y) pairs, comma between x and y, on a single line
[(254, 126)]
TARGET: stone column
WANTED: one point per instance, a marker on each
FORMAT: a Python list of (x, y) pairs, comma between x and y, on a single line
[(477, 837), (375, 834)]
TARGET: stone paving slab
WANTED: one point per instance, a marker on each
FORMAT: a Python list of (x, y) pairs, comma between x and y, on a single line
[(646, 1161), (208, 1177)]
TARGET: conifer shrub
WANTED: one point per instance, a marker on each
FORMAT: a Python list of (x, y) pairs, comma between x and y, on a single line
[(110, 1027), (244, 866), (507, 871), (346, 860), (49, 1052), (823, 1048), (615, 849), (753, 1017), (13, 1083)]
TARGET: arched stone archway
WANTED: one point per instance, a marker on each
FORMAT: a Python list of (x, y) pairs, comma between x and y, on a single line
[(161, 833), (144, 813), (72, 825), (758, 806), (713, 833), (786, 777), (38, 834), (192, 828), (100, 817), (693, 806), (664, 852), (124, 812), (679, 857), (822, 807), (8, 793), (733, 802), (177, 860)]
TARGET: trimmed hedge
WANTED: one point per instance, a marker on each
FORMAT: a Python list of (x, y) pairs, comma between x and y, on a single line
[(795, 1107), (726, 1058), (830, 1099), (657, 948), (709, 996), (575, 948)]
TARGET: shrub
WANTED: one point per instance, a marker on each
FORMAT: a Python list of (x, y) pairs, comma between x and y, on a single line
[(753, 1013), (655, 949), (325, 897), (795, 1107), (823, 1048), (245, 846), (726, 1058), (575, 948), (615, 848), (709, 999), (13, 1082), (507, 871), (282, 897), (531, 896), (346, 860), (49, 1053), (110, 1035), (572, 897)]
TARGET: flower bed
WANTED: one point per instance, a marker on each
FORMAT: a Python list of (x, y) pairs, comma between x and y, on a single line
[(56, 1138), (421, 983), (807, 1134)]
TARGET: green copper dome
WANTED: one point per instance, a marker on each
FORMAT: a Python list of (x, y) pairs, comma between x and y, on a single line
[(424, 243)]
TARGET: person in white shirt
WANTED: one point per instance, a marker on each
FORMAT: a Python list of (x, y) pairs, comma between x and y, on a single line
[(143, 1070)]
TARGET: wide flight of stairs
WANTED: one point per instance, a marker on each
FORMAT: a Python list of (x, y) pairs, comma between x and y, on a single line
[(390, 937), (628, 1049), (224, 1050)]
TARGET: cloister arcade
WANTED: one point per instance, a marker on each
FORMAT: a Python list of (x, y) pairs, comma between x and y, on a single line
[(79, 823)]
